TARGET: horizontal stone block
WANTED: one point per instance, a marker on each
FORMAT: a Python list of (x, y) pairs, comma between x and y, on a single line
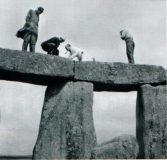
[(34, 68), (118, 76), (45, 69)]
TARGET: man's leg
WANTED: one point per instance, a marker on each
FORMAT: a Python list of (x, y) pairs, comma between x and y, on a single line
[(33, 41), (24, 46), (32, 47), (27, 38), (55, 51), (132, 59), (48, 47), (73, 55), (130, 51), (80, 58)]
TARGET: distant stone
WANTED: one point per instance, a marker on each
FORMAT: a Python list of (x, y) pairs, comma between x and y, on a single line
[(66, 128), (122, 147), (151, 127), (34, 68), (118, 76)]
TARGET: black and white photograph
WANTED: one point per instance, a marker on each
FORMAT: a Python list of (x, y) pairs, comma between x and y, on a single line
[(83, 79)]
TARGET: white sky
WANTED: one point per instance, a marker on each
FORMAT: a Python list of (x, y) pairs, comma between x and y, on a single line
[(91, 25)]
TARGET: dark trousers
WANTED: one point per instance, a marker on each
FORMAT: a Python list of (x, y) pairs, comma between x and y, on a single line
[(30, 39), (25, 45), (130, 45), (50, 48)]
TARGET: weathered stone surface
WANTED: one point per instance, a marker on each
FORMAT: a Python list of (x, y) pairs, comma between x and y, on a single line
[(66, 127), (118, 76), (121, 147), (34, 67), (45, 69), (151, 127)]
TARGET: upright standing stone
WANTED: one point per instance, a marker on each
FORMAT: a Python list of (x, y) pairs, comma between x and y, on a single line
[(66, 128), (151, 128)]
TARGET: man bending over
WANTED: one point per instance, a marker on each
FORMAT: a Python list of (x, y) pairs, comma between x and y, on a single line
[(130, 45), (74, 52), (51, 45)]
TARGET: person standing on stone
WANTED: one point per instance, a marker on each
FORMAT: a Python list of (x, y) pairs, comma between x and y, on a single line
[(130, 45), (29, 32), (74, 52), (51, 45)]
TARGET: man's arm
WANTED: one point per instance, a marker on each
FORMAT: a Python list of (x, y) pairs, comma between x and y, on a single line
[(69, 54), (28, 17), (72, 56), (51, 40)]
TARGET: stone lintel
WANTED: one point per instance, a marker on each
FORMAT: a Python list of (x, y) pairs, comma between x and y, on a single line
[(43, 69), (34, 68), (119, 76)]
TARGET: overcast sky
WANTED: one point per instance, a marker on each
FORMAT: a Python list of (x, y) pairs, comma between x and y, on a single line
[(93, 26)]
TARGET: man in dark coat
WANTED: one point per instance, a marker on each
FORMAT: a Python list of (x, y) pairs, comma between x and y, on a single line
[(29, 32), (51, 45), (130, 45)]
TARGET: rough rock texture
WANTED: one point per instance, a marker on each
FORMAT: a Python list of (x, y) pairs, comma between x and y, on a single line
[(121, 147), (118, 76), (45, 69), (66, 127), (34, 67), (151, 119)]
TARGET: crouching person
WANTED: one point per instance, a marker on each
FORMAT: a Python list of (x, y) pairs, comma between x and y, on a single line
[(74, 52), (51, 45)]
